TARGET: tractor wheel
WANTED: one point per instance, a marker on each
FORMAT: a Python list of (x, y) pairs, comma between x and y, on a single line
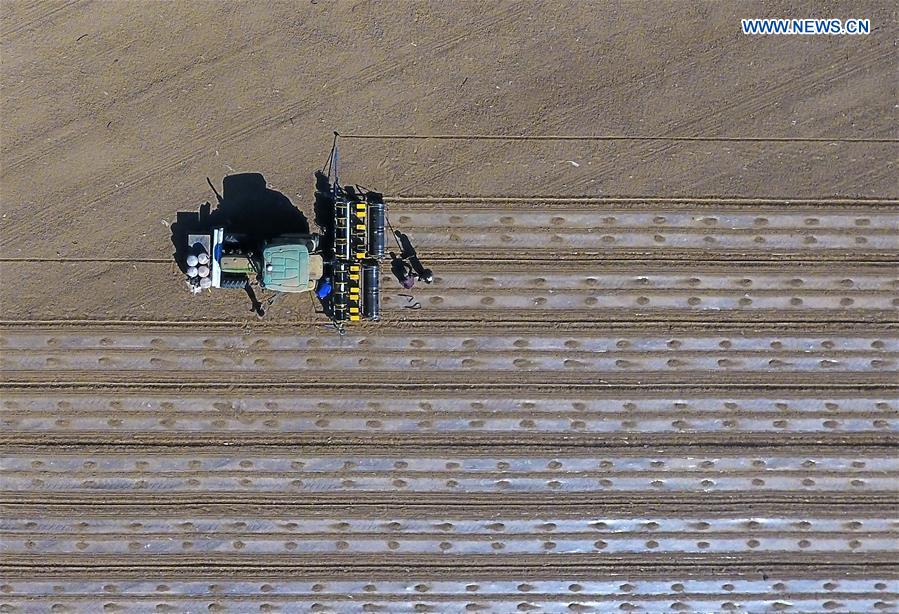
[(235, 281)]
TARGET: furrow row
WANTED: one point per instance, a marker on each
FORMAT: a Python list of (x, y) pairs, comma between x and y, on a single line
[(172, 473), (595, 293), (463, 603), (411, 362), (399, 546), (474, 505), (458, 587), (96, 328), (27, 415), (476, 202), (560, 213), (542, 523), (551, 546), (604, 277), (397, 537), (659, 229), (552, 357), (638, 257), (452, 341), (519, 367)]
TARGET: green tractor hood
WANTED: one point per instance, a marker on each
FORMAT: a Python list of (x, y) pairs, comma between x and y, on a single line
[(286, 268)]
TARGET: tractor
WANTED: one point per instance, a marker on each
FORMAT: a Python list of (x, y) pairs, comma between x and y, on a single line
[(341, 265)]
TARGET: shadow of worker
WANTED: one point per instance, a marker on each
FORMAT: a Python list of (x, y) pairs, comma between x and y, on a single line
[(246, 206)]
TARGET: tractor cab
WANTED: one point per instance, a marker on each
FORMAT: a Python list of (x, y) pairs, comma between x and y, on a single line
[(290, 267)]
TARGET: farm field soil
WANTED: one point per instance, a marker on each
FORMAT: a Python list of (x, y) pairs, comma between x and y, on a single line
[(650, 375)]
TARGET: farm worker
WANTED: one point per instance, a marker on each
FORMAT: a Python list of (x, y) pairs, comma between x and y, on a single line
[(402, 270), (409, 253)]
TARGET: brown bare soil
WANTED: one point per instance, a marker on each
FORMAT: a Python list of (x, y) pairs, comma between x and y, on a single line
[(652, 374)]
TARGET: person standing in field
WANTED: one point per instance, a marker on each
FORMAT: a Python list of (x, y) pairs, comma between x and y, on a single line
[(402, 270), (408, 253)]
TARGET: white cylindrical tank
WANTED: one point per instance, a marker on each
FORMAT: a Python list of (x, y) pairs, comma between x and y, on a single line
[(205, 283), (203, 258), (191, 271), (192, 260), (203, 271)]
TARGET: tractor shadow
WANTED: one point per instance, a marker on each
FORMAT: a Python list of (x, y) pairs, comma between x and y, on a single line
[(246, 206)]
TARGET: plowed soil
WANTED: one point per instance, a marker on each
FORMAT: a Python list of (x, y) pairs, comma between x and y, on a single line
[(652, 374)]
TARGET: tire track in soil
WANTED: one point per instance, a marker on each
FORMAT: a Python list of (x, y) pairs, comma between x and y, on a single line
[(244, 128), (160, 85), (42, 12), (757, 101)]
